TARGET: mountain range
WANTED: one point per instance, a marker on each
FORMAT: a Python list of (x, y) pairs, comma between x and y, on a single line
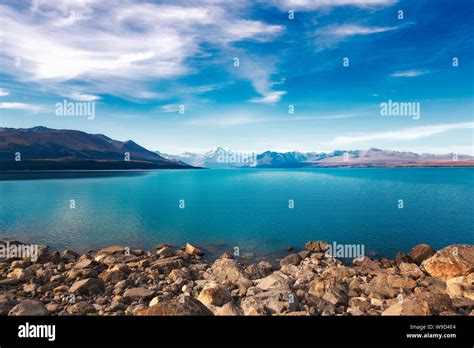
[(225, 158), (41, 148)]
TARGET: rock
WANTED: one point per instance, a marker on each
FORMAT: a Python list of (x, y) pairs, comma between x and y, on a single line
[(138, 294), (168, 264), (19, 274), (115, 249), (292, 259), (68, 255), (402, 257), (6, 304), (178, 273), (420, 253), (224, 269), (275, 281), (437, 302), (408, 307), (81, 308), (450, 262), (361, 302), (112, 276), (367, 266), (461, 287), (192, 250), (183, 306), (214, 294), (316, 247), (89, 286), (165, 251), (329, 290), (410, 270), (84, 263), (228, 309), (29, 307), (269, 302), (317, 287)]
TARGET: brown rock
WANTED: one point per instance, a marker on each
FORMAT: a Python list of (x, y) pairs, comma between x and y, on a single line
[(81, 308), (224, 269), (192, 250), (316, 247), (450, 262), (28, 307), (410, 270), (292, 259), (183, 306), (6, 304), (138, 293), (461, 287), (214, 294), (275, 281), (115, 249), (269, 302), (408, 307), (88, 286), (420, 253)]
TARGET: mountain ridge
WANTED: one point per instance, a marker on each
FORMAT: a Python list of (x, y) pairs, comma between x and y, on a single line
[(42, 148)]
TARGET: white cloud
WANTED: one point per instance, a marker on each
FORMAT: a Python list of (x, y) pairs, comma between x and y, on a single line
[(309, 5), (84, 97), (120, 48), (404, 134), (4, 92), (410, 73), (269, 98), (169, 108), (332, 34), (20, 106)]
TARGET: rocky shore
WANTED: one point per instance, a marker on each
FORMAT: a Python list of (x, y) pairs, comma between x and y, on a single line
[(172, 281)]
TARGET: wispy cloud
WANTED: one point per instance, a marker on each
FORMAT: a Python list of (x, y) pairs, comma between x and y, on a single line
[(333, 34), (63, 43), (410, 73), (20, 106), (4, 92), (84, 97), (308, 5), (412, 133)]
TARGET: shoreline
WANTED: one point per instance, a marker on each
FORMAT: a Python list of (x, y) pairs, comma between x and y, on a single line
[(180, 281)]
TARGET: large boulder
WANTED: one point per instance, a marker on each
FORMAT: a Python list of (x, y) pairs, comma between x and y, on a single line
[(420, 253), (88, 286), (28, 307), (138, 294), (224, 270), (182, 306), (452, 261), (408, 307), (275, 281), (461, 287), (214, 294)]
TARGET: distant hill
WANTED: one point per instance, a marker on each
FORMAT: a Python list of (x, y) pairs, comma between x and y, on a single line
[(43, 148), (224, 158)]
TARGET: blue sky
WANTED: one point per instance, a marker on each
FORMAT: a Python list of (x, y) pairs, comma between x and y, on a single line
[(139, 61)]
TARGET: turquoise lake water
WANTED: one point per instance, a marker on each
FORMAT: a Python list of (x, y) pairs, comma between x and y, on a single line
[(244, 208)]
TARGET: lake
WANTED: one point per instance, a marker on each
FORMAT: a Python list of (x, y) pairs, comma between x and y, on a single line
[(249, 208)]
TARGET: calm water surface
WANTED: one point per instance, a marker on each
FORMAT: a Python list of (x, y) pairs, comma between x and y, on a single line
[(244, 208)]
